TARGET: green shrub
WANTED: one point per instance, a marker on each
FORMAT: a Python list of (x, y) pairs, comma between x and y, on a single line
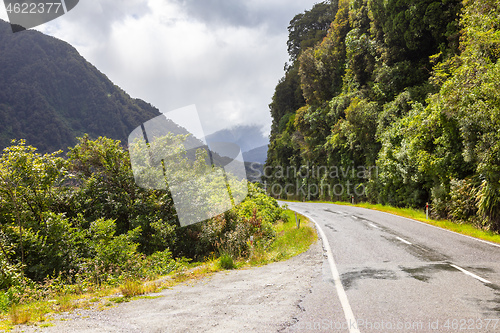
[(230, 232), (489, 203), (113, 255), (5, 302), (10, 275), (463, 201), (225, 233), (440, 207), (267, 208), (226, 261), (161, 263)]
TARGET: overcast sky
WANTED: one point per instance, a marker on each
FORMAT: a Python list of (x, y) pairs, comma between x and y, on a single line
[(224, 56)]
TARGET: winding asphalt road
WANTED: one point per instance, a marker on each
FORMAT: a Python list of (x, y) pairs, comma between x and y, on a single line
[(386, 273), (372, 272)]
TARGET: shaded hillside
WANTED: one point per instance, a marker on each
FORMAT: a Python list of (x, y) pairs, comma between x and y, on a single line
[(49, 95)]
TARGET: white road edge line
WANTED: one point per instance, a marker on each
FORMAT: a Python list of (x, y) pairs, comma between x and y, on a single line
[(373, 225), (429, 225), (470, 274), (403, 240), (349, 315)]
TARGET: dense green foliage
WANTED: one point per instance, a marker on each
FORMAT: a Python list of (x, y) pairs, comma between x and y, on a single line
[(400, 100), (82, 219), (50, 95)]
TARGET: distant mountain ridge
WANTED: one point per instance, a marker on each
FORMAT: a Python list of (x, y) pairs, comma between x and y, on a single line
[(49, 95), (258, 155), (247, 137)]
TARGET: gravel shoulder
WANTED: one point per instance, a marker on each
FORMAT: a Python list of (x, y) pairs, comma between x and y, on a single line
[(261, 299)]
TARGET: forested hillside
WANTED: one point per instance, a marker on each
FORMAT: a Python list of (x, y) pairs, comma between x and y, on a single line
[(50, 95), (395, 102)]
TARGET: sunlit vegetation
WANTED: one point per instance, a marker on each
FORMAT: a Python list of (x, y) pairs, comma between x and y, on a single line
[(408, 87), (76, 227)]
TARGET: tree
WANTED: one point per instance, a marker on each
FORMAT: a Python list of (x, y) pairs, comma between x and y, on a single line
[(309, 28), (27, 188), (471, 96), (322, 67)]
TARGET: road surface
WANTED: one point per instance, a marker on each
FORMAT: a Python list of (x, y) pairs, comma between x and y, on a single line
[(372, 272), (395, 274)]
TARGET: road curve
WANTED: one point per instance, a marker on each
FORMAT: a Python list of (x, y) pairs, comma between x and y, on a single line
[(400, 275), (376, 273)]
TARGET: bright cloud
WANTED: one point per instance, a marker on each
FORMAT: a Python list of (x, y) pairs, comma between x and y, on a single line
[(225, 56)]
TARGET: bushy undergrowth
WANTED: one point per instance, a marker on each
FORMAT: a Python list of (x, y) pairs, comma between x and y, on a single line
[(462, 203), (226, 261), (75, 224), (252, 220)]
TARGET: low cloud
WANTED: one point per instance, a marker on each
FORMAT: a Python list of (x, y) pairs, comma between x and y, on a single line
[(224, 56)]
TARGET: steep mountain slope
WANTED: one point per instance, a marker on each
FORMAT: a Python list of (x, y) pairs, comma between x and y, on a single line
[(49, 95)]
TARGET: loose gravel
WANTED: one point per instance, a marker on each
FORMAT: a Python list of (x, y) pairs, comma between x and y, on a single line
[(261, 299)]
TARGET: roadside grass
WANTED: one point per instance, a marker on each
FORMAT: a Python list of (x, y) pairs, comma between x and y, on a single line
[(133, 288), (461, 228), (40, 313), (289, 242), (226, 261)]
